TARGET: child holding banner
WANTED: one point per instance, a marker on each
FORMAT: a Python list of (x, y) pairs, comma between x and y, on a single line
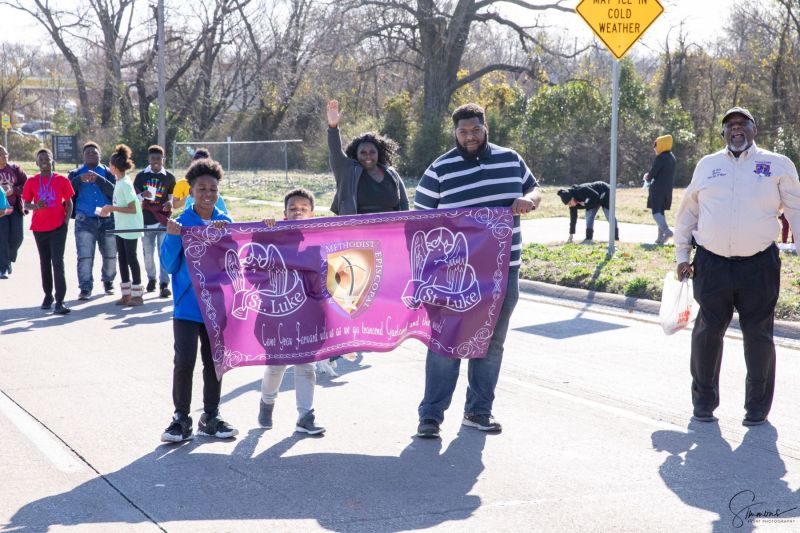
[(298, 204), (203, 177)]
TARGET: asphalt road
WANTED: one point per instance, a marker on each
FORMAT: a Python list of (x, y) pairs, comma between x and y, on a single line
[(595, 406)]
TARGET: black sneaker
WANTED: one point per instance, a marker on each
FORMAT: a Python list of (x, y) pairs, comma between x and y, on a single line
[(47, 303), (428, 429), (180, 429), (3, 274), (61, 309), (306, 425), (482, 422), (214, 426), (265, 414), (85, 295), (9, 269), (151, 285), (165, 292), (108, 286)]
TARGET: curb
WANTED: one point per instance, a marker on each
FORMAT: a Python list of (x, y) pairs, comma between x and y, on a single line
[(786, 333)]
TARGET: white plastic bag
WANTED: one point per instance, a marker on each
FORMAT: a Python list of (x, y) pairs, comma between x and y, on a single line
[(676, 304)]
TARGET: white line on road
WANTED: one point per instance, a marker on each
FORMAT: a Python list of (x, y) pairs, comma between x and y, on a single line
[(54, 450), (623, 413)]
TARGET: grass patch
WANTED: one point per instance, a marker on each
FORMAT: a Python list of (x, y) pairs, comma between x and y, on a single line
[(635, 270)]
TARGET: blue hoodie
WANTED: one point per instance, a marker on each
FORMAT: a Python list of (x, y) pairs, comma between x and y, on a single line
[(172, 259)]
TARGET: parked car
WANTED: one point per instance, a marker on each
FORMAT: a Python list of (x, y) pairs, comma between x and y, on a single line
[(34, 125), (43, 135)]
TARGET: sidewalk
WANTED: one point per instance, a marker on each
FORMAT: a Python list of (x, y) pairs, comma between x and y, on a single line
[(545, 230)]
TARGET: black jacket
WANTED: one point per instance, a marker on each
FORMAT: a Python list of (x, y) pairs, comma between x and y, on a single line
[(662, 176), (591, 196)]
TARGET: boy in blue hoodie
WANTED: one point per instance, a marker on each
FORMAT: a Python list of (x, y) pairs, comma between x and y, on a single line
[(187, 325)]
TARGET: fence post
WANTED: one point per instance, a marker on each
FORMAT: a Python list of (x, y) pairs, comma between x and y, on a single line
[(174, 144), (229, 153), (286, 160)]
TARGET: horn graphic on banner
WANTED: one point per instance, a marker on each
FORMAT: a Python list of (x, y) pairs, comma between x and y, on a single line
[(419, 252), (233, 268)]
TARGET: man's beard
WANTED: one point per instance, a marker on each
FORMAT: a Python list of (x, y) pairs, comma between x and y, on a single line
[(741, 147), (466, 154)]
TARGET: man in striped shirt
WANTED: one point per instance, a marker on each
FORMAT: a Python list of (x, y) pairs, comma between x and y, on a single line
[(474, 173)]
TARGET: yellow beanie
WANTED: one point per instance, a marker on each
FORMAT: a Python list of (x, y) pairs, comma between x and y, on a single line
[(663, 144)]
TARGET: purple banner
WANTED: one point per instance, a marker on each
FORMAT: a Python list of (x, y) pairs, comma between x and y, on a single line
[(306, 290)]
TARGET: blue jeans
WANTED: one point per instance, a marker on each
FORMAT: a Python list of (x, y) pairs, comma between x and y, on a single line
[(150, 241), (90, 231), (441, 373), (10, 238)]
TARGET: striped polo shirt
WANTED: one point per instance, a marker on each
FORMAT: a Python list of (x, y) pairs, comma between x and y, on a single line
[(493, 179)]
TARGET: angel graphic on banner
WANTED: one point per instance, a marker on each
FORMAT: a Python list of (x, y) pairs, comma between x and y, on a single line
[(262, 283), (441, 273)]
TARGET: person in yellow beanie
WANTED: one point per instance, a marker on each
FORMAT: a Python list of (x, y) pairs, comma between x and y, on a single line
[(660, 180)]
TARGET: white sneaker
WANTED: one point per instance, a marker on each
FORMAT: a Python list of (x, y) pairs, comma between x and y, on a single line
[(325, 367)]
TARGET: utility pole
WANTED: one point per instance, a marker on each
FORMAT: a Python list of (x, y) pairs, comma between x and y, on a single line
[(162, 111)]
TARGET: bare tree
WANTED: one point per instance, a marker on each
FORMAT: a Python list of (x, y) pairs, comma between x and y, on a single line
[(433, 35), (296, 31), (15, 67), (111, 15), (61, 25)]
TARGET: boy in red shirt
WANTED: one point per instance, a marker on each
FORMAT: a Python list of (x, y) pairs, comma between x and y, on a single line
[(49, 196)]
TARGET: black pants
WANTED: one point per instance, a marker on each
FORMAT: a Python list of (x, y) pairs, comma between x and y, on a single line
[(51, 260), (128, 262), (750, 286), (10, 238), (187, 334)]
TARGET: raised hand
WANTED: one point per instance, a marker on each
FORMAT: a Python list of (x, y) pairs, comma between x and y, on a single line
[(333, 114)]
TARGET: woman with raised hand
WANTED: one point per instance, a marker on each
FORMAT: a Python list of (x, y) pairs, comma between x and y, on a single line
[(366, 182)]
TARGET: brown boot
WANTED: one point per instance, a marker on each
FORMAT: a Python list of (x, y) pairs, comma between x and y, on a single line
[(136, 296), (125, 299)]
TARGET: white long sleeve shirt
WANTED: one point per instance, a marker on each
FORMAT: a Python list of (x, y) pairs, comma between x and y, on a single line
[(732, 205)]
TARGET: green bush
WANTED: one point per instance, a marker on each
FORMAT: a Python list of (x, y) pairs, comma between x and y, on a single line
[(639, 287)]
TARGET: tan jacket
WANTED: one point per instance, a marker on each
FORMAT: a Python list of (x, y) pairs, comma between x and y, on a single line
[(732, 205)]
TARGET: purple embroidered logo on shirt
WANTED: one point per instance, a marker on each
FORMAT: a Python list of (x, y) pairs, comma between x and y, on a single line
[(762, 169)]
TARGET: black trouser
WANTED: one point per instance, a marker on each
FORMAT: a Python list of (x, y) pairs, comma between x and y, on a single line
[(751, 286), (126, 256), (186, 334), (51, 260), (10, 238)]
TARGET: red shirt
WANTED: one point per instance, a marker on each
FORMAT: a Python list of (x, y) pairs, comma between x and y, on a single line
[(54, 190)]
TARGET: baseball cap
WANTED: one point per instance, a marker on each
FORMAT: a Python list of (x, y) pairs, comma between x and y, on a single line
[(738, 111)]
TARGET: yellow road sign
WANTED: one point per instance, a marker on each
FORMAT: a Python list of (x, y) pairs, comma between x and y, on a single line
[(619, 23), (6, 121)]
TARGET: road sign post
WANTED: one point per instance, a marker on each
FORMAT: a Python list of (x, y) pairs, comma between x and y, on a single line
[(6, 122), (618, 24)]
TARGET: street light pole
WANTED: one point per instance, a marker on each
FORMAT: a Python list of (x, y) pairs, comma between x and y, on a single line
[(162, 112)]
